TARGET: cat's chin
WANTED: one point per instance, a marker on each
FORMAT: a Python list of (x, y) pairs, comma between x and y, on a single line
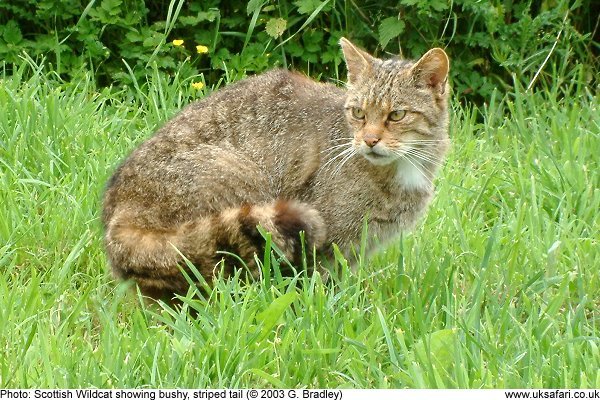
[(379, 159)]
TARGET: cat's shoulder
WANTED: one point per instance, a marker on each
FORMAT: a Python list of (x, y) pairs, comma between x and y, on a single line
[(285, 75), (288, 82)]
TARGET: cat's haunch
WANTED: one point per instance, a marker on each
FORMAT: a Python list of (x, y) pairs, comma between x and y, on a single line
[(284, 152)]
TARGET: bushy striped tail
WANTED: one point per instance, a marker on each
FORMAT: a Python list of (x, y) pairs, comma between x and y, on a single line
[(148, 255)]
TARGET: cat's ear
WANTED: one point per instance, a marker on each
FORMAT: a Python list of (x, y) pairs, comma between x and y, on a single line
[(432, 69), (358, 61)]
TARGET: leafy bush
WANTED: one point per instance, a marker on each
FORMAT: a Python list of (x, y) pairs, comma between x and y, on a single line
[(119, 40)]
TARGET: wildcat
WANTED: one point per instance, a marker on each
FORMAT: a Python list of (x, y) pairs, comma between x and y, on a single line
[(284, 152)]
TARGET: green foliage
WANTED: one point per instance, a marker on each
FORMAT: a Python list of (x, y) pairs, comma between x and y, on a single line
[(488, 42)]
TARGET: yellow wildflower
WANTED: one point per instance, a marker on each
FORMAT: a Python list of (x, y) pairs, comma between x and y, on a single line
[(201, 49), (177, 42), (197, 85)]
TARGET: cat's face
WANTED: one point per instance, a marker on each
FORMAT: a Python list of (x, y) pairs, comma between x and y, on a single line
[(396, 109)]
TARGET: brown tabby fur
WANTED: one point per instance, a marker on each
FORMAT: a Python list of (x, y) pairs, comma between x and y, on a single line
[(287, 153)]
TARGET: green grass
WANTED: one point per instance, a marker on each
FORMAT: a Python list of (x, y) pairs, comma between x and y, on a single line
[(498, 286)]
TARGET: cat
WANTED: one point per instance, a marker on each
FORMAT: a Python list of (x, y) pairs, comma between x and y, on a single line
[(284, 152)]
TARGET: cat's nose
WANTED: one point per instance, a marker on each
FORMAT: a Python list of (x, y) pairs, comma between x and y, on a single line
[(371, 140)]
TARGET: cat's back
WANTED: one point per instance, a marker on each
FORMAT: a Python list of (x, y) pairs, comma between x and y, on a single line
[(277, 99), (276, 87)]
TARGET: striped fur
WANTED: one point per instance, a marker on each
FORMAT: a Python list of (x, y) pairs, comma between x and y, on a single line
[(280, 151)]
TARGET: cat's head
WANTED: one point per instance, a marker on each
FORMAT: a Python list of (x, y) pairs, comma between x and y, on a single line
[(396, 107)]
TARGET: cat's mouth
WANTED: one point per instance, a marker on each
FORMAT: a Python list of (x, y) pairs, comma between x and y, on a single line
[(377, 156)]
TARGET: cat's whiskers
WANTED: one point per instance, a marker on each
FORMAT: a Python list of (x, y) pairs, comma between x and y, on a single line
[(426, 140), (400, 145), (424, 147), (429, 144), (333, 148), (422, 161), (341, 154), (423, 155), (420, 144), (344, 161), (415, 163)]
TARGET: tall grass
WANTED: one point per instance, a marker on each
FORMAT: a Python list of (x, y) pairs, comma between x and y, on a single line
[(498, 286)]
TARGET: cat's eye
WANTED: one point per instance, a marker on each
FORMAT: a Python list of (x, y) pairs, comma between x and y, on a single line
[(358, 113), (397, 115)]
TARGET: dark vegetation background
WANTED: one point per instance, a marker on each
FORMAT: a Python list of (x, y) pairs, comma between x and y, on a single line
[(491, 43)]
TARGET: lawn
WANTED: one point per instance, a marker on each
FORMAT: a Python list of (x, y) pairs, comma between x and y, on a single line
[(498, 286)]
